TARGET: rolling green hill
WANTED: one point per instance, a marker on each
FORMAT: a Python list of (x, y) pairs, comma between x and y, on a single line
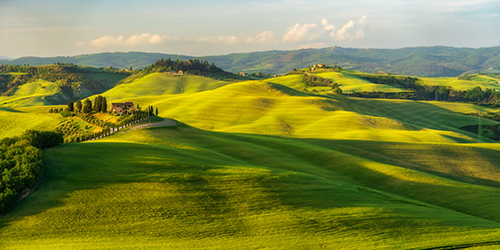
[(22, 86), (186, 188), (117, 59), (157, 84), (264, 164)]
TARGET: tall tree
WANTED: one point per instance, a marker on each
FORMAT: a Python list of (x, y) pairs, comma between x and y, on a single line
[(97, 104), (79, 106), (70, 106), (104, 105), (156, 111), (87, 107)]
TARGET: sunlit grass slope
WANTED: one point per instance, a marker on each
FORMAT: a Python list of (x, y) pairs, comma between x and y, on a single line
[(348, 82), (482, 81), (456, 83), (268, 108), (31, 94), (162, 84), (186, 188), (14, 122), (356, 84)]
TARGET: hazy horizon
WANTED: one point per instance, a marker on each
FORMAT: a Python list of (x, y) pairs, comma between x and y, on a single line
[(204, 28)]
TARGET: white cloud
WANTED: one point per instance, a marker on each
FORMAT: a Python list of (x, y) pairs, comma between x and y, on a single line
[(352, 30), (300, 32), (264, 37), (107, 41), (342, 34), (230, 40), (143, 39), (327, 27)]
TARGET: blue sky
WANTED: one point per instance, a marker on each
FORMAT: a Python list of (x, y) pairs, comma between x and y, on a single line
[(69, 27)]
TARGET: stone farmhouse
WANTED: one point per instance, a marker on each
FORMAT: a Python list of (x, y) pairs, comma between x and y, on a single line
[(120, 108)]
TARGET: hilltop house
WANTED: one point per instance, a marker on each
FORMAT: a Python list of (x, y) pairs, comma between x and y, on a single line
[(172, 73), (120, 108)]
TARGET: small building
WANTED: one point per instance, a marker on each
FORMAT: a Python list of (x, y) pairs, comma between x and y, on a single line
[(120, 108), (180, 72), (381, 72), (243, 74)]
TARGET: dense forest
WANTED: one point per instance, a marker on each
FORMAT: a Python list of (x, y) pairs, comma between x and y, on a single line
[(21, 164)]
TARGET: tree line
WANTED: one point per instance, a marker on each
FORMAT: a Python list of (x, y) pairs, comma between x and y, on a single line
[(418, 91), (73, 132), (475, 95), (193, 67), (21, 164)]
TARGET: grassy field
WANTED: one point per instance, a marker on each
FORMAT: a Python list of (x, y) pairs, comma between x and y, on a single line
[(263, 165), (355, 84), (268, 108), (482, 81), (14, 122), (31, 94), (156, 84), (186, 188)]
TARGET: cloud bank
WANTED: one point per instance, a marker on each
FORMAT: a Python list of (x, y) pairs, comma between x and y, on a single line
[(350, 31), (142, 39), (300, 32), (303, 35)]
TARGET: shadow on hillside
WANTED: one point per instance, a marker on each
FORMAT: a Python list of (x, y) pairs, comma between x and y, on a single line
[(6, 109), (300, 173), (413, 114)]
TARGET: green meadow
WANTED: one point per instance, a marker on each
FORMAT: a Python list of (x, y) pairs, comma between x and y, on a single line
[(182, 187), (265, 164), (31, 94), (482, 81), (155, 84)]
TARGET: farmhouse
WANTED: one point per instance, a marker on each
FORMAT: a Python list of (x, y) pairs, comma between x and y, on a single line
[(120, 108)]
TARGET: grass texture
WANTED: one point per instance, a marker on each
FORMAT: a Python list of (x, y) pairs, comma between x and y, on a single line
[(183, 187)]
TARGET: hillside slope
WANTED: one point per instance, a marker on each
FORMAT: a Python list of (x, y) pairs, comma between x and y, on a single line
[(260, 164), (157, 84), (185, 188), (262, 107)]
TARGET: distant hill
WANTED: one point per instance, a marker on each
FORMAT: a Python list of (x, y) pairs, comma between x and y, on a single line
[(420, 61), (438, 61), (115, 60)]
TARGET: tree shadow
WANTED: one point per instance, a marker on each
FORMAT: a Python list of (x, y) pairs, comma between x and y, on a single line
[(6, 109)]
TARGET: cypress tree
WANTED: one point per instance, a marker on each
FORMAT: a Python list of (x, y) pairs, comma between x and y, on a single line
[(97, 104), (104, 105), (70, 106), (87, 108), (157, 111), (79, 106)]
